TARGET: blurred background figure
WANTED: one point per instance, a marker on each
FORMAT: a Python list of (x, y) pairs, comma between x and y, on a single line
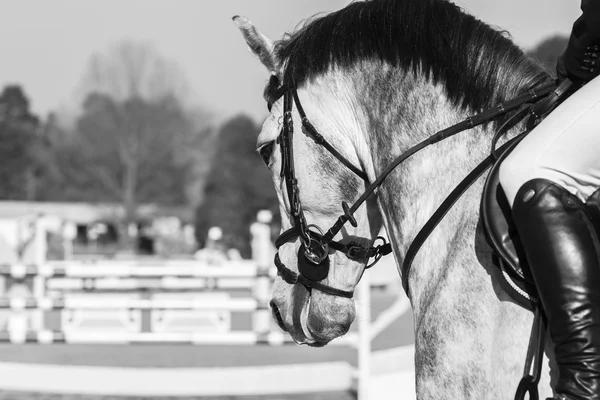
[(214, 252)]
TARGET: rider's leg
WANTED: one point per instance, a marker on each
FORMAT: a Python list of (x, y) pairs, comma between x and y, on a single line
[(547, 179), (563, 148), (562, 252)]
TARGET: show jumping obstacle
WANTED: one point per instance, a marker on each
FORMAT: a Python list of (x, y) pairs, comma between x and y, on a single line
[(55, 281), (79, 289)]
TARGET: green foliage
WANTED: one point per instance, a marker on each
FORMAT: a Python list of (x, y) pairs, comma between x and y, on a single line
[(548, 51), (237, 187)]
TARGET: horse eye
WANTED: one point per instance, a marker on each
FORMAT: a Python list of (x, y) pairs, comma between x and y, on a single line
[(266, 151)]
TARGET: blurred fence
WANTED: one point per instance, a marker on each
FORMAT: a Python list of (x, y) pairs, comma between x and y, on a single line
[(170, 301)]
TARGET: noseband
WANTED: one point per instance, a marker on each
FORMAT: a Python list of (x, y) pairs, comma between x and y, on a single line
[(313, 254)]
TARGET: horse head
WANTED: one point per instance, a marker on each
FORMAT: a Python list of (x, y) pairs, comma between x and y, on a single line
[(313, 145)]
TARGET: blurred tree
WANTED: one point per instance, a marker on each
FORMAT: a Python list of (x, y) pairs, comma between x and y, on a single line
[(237, 187), (134, 135), (54, 161), (127, 152), (548, 51), (22, 148), (134, 70)]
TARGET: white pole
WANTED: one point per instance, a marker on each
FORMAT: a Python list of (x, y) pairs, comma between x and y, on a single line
[(261, 254), (40, 246), (69, 233), (364, 337)]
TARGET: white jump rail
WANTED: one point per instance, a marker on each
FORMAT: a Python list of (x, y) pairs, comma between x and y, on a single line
[(233, 304), (152, 283), (121, 269)]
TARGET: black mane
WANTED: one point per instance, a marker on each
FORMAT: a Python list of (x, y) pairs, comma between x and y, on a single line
[(434, 37)]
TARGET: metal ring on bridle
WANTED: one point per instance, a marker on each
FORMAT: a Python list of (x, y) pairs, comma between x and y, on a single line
[(305, 238), (378, 253), (308, 252)]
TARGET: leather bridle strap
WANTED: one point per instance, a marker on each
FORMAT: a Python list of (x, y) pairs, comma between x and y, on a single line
[(300, 227), (292, 278), (325, 241), (319, 139), (443, 209), (288, 172), (459, 190), (468, 123), (313, 249)]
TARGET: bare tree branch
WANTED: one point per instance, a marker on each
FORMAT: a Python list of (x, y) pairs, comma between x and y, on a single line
[(134, 126)]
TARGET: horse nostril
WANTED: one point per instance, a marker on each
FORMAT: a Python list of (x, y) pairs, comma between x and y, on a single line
[(277, 315)]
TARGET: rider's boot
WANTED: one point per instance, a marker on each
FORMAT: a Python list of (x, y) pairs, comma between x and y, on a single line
[(563, 254)]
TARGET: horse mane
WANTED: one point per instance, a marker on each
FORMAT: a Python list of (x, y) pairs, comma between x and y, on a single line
[(431, 37)]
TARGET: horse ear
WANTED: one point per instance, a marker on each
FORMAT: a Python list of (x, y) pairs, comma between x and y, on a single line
[(260, 45)]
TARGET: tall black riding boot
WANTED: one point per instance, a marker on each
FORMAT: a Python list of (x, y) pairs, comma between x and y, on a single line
[(563, 253)]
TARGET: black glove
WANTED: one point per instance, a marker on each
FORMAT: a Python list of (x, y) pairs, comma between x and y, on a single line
[(579, 66), (591, 62)]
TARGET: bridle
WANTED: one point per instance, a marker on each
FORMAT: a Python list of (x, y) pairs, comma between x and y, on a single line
[(313, 254)]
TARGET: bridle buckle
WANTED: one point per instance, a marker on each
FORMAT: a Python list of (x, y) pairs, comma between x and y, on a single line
[(355, 252)]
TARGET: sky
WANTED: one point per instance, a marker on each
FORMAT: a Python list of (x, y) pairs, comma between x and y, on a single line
[(46, 44)]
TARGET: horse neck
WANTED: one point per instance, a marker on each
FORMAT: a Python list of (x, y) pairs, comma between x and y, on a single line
[(412, 110)]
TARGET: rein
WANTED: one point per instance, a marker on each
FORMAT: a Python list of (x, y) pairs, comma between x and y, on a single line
[(313, 255)]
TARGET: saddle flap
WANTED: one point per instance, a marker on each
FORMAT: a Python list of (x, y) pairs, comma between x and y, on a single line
[(500, 231), (502, 235)]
